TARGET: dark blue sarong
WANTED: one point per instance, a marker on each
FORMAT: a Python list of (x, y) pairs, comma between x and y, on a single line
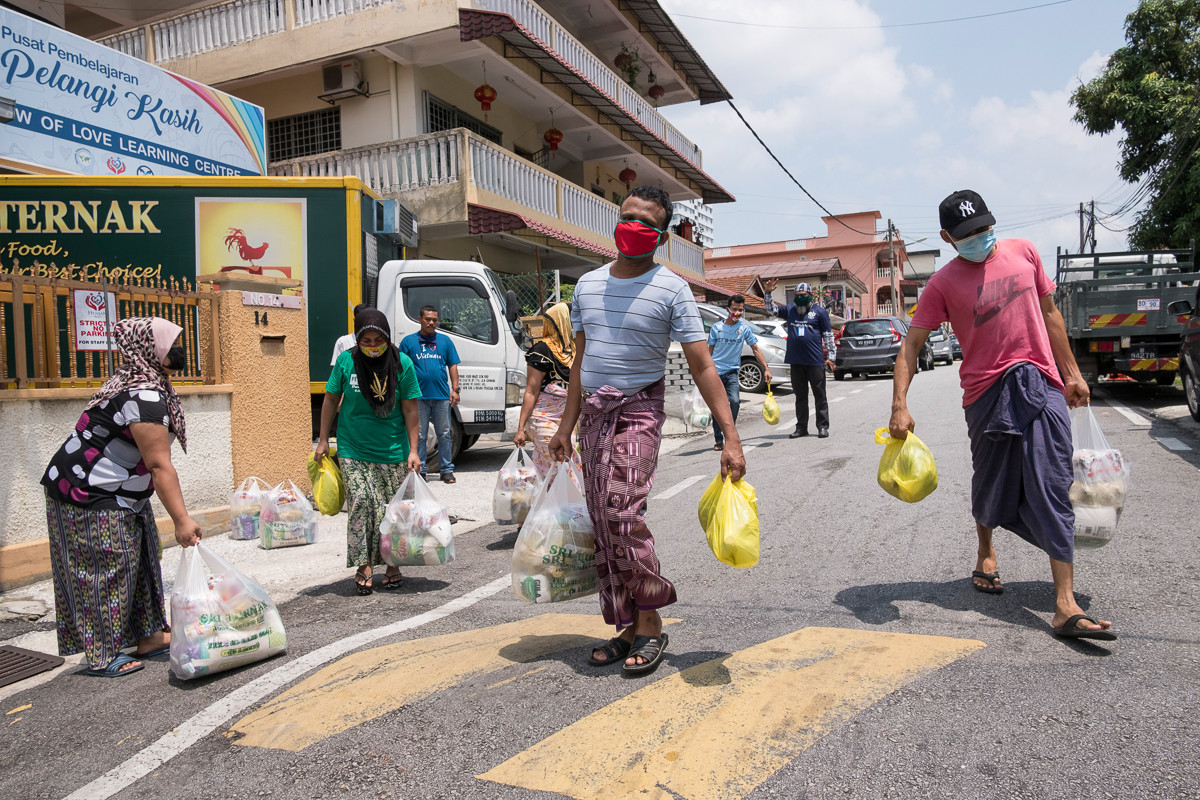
[(1021, 452)]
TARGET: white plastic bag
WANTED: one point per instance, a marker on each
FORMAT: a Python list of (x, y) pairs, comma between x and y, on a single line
[(554, 558), (516, 488), (287, 518), (1101, 481), (416, 527), (695, 411), (245, 504), (220, 618)]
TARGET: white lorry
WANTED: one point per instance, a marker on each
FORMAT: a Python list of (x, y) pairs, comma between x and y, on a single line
[(477, 314)]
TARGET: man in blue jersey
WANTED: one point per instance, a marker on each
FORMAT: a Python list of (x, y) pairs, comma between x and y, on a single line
[(434, 355), (725, 340), (810, 347)]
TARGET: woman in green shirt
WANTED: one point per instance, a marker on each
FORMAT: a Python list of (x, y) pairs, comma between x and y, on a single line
[(377, 436)]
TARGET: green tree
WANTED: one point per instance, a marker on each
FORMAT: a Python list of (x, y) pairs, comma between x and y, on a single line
[(1151, 89)]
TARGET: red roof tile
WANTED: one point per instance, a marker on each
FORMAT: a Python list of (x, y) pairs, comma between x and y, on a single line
[(481, 219)]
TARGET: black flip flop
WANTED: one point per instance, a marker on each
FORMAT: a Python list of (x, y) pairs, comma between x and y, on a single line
[(113, 670), (650, 647), (718, 447), (987, 576), (617, 649), (360, 583), (154, 653), (1071, 630), (391, 582)]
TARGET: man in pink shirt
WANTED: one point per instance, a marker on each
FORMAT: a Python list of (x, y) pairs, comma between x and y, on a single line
[(1018, 377)]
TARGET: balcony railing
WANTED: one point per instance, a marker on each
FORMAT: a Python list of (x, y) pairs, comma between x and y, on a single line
[(437, 159), (229, 24), (883, 273)]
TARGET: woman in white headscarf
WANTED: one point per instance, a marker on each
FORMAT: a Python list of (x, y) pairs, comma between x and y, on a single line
[(108, 590)]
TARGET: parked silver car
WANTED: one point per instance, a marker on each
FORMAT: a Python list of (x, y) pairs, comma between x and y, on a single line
[(943, 348), (774, 350), (870, 346)]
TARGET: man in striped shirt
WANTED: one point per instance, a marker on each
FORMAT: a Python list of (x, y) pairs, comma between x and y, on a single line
[(624, 316)]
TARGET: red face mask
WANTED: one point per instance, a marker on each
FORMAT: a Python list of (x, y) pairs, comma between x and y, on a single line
[(636, 239)]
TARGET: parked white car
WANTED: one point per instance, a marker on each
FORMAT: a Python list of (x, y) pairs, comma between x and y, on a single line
[(775, 326), (774, 350)]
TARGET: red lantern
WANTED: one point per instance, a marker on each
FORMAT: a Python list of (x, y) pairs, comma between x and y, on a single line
[(656, 92), (553, 136), (486, 95), (627, 177), (622, 60)]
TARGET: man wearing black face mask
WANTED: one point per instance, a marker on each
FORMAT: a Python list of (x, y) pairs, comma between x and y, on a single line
[(809, 345)]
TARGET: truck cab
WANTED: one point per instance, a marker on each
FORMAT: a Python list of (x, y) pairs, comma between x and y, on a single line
[(477, 314)]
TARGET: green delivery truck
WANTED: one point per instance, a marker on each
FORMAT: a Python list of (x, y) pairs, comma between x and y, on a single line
[(345, 243)]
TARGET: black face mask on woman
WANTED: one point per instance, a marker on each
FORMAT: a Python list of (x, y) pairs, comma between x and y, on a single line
[(176, 359)]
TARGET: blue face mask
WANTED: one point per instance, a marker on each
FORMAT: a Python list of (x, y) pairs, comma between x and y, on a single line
[(976, 248)]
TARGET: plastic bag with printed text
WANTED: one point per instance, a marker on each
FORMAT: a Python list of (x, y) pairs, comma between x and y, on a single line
[(907, 470), (770, 408), (287, 519), (329, 488), (554, 558), (695, 411), (729, 516), (415, 531), (1101, 481), (516, 488), (245, 504), (220, 618)]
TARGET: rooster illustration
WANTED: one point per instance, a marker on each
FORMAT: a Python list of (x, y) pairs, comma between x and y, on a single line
[(249, 254)]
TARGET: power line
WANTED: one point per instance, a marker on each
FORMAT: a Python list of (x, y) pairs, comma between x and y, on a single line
[(790, 175), (872, 27)]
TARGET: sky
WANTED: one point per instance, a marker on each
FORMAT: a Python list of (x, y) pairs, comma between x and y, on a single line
[(894, 119)]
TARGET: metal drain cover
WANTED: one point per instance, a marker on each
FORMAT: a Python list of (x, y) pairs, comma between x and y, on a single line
[(17, 664)]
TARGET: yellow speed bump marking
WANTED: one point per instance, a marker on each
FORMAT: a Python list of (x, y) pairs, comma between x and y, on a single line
[(371, 683), (721, 728)]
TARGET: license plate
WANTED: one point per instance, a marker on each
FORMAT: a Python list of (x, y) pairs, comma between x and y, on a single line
[(489, 416), (1137, 355)]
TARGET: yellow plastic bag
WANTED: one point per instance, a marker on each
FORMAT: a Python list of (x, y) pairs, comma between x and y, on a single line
[(770, 408), (906, 470), (328, 487), (729, 516)]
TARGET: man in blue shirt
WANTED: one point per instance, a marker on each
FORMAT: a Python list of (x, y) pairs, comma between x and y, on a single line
[(433, 355), (809, 339), (725, 340)]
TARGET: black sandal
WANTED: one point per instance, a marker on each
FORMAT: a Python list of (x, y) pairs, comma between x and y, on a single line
[(391, 582), (649, 647), (994, 577), (616, 649), (1071, 630), (360, 583)]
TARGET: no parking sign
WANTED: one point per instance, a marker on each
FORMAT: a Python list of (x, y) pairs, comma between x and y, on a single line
[(90, 331)]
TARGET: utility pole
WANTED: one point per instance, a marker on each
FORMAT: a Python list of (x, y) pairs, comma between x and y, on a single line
[(895, 283), (1082, 235), (1092, 225)]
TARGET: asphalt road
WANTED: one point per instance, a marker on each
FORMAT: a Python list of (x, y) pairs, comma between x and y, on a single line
[(854, 660)]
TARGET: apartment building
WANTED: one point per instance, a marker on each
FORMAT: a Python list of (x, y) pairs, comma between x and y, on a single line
[(861, 250), (694, 220), (511, 128)]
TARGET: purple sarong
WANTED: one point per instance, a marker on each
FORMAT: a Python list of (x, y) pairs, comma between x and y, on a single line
[(1021, 451), (620, 437)]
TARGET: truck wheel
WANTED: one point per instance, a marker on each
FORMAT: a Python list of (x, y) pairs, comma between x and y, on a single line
[(839, 374), (1165, 378), (1191, 390)]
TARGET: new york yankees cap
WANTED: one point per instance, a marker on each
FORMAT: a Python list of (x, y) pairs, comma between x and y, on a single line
[(803, 287), (963, 212)]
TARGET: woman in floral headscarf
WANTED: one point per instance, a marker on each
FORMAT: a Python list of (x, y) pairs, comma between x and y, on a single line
[(108, 590), (547, 375)]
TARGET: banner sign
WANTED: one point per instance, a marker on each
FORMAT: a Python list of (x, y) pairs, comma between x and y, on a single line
[(85, 108), (90, 332)]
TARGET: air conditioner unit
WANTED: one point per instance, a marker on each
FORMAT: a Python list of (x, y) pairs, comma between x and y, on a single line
[(345, 76)]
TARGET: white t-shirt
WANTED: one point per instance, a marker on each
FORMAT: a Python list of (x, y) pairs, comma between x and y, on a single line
[(343, 344)]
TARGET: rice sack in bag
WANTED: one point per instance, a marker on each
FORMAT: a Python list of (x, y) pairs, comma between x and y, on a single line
[(245, 504), (695, 411), (220, 618), (415, 531), (329, 489), (770, 408), (906, 470), (287, 519), (554, 558), (1101, 481), (516, 488), (729, 516)]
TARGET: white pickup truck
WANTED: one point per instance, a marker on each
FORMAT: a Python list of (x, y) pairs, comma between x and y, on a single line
[(478, 315)]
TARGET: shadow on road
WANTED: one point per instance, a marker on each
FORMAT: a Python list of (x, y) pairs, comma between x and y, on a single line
[(344, 587), (507, 542), (876, 604)]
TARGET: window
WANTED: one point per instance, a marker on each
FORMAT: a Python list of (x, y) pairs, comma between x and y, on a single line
[(868, 327), (462, 304), (441, 116), (304, 134)]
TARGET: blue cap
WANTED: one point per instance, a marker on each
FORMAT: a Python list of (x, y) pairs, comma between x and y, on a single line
[(803, 287)]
